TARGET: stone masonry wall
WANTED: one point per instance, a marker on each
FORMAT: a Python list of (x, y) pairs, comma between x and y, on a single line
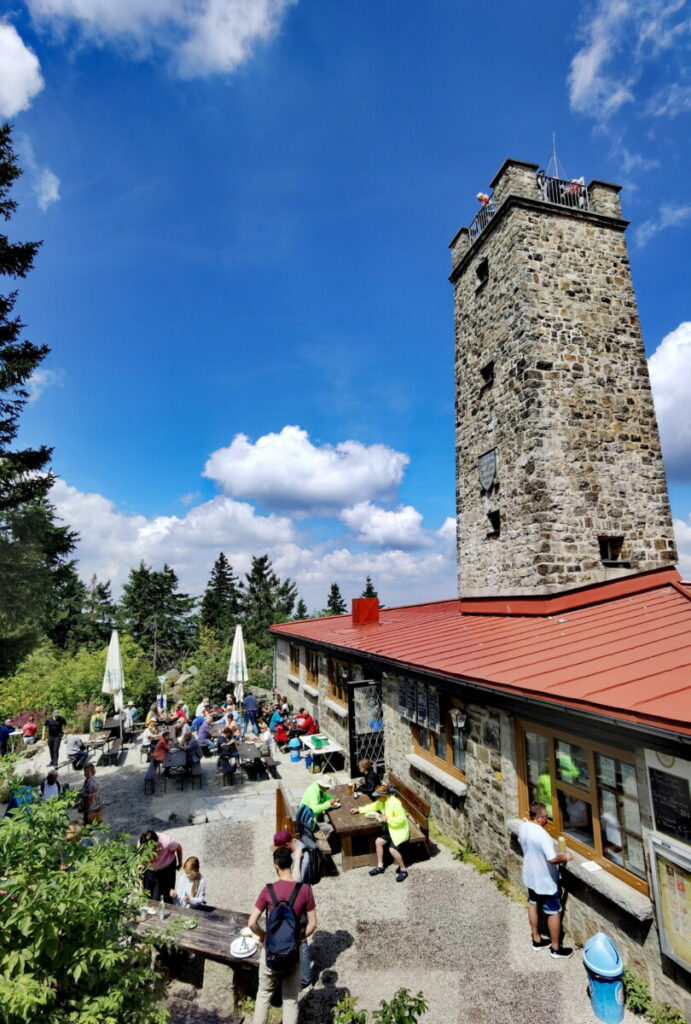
[(568, 412)]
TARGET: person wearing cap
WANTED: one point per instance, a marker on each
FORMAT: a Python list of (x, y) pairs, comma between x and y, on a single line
[(299, 865), (396, 830), (317, 798)]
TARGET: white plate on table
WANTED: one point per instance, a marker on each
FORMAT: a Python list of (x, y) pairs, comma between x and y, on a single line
[(237, 950), (372, 815)]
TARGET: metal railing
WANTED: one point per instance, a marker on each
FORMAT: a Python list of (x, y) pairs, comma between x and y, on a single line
[(563, 192), (481, 221)]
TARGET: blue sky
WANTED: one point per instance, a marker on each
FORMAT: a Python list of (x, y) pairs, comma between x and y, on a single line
[(245, 212)]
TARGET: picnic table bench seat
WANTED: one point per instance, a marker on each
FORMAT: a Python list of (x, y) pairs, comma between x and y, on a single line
[(285, 818), (418, 811), (112, 755)]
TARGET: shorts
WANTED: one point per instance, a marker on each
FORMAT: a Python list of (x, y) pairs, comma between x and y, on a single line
[(548, 904), (386, 836)]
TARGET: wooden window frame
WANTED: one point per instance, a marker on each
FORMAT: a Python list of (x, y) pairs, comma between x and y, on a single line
[(294, 655), (336, 691), (446, 764), (589, 796), (312, 668)]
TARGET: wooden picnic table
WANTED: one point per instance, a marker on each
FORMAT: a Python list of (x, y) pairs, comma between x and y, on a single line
[(99, 739), (357, 833), (210, 939)]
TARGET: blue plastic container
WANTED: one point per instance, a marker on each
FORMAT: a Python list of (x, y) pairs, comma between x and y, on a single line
[(294, 747), (605, 969), (295, 755)]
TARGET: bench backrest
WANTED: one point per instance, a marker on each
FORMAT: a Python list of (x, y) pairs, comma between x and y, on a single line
[(285, 812), (417, 808)]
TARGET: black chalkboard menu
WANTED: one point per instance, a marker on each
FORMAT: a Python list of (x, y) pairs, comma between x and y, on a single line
[(411, 700), (672, 804), (433, 709), (421, 705)]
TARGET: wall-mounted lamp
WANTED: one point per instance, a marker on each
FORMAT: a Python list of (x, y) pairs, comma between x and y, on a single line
[(458, 718)]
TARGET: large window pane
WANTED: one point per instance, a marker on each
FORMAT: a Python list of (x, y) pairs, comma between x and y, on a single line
[(572, 764), (620, 818), (440, 742), (539, 781), (458, 749), (577, 819), (423, 737)]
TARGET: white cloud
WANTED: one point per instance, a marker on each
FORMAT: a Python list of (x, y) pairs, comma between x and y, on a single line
[(399, 528), (201, 37), (44, 184), (20, 72), (111, 542), (189, 499), (669, 216), (682, 532), (619, 38), (670, 373), (286, 471), (671, 101), (42, 379)]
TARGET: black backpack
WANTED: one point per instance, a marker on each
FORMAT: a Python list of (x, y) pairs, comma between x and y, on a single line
[(283, 933), (314, 863)]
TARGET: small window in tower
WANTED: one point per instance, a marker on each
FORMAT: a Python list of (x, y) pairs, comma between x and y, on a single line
[(495, 523), (487, 374), (482, 272), (610, 552)]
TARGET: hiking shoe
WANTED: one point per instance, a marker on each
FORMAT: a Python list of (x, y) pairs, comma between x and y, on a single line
[(563, 953), (401, 876), (377, 871), (542, 944)]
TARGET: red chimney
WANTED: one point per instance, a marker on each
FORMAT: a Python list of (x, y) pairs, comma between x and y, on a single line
[(365, 610)]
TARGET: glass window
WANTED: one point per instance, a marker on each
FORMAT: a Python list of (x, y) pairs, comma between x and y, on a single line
[(446, 745), (423, 738), (620, 817), (539, 780), (340, 672), (312, 667), (294, 660), (576, 818), (458, 744), (572, 764)]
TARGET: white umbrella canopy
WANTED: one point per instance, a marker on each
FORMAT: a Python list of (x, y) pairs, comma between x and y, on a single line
[(237, 667), (114, 677)]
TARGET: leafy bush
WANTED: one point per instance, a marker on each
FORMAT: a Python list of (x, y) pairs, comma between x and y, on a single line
[(639, 1000), (68, 955), (404, 1008)]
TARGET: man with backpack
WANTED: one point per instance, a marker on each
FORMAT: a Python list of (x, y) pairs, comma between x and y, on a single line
[(284, 901), (315, 802)]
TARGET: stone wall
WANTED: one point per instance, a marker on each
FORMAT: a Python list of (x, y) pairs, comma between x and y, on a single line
[(566, 408)]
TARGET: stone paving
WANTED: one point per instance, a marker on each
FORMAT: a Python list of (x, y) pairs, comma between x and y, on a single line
[(446, 930)]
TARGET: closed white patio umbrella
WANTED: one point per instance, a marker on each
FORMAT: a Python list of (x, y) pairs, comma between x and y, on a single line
[(114, 677), (237, 667)]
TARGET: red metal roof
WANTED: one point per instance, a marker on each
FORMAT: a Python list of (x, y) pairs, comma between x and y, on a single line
[(620, 649)]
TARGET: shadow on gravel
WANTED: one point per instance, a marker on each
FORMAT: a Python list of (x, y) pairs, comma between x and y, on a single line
[(317, 1006), (326, 947)]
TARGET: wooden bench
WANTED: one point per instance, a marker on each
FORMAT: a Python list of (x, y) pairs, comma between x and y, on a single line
[(418, 811), (285, 819), (112, 755)]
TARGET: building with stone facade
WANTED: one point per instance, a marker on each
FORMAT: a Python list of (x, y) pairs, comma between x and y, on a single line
[(562, 672)]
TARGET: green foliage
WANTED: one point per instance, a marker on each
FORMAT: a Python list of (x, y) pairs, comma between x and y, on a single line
[(639, 1000), (222, 601), (404, 1008), (84, 615), (335, 604), (467, 855), (157, 615), (300, 611), (369, 590), (267, 600), (68, 955), (50, 678), (345, 1011)]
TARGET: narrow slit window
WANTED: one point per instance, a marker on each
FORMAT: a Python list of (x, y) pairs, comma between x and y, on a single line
[(487, 374), (610, 551), (482, 271), (494, 523)]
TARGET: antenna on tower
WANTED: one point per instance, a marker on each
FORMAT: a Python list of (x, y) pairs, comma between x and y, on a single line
[(557, 170)]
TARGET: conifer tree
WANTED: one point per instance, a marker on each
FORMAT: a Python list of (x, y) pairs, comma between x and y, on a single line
[(300, 611), (267, 600), (335, 604), (369, 590), (155, 613), (222, 600)]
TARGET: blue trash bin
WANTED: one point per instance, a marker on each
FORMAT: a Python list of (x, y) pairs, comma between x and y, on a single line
[(294, 747), (605, 969)]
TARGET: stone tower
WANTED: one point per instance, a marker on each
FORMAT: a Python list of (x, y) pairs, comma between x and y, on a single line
[(560, 481)]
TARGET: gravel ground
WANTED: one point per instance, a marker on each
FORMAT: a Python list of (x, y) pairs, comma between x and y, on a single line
[(446, 930)]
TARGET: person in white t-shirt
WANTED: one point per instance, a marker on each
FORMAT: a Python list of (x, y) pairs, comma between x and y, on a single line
[(541, 878)]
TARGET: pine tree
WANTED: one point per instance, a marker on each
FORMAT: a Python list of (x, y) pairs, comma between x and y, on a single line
[(222, 600), (33, 547), (267, 600), (300, 611), (157, 615), (22, 476), (335, 604), (369, 590)]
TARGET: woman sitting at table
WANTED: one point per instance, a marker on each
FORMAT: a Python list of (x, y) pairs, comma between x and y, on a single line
[(159, 752), (265, 736), (281, 735), (227, 762), (151, 715), (371, 779), (150, 735), (191, 889), (180, 711)]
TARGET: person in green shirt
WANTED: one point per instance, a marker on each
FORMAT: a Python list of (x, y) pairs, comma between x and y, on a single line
[(317, 798), (396, 830)]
